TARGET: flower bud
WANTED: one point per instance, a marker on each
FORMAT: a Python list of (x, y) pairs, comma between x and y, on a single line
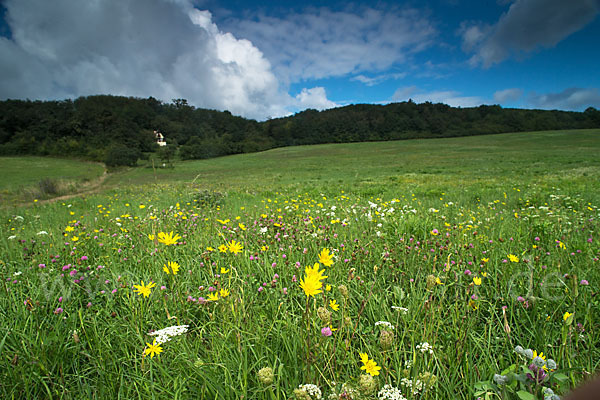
[(367, 384), (324, 315), (386, 339), (343, 291), (265, 376)]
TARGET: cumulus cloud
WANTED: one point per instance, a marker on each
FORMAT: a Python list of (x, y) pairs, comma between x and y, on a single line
[(507, 95), (449, 97), (162, 48), (314, 98), (575, 99), (320, 43), (526, 26)]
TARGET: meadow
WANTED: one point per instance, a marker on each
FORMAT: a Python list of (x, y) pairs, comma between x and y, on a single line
[(455, 268)]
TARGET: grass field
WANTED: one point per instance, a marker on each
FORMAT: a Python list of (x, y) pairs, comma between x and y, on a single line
[(23, 178), (429, 269)]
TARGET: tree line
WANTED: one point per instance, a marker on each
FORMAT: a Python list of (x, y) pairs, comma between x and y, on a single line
[(119, 130)]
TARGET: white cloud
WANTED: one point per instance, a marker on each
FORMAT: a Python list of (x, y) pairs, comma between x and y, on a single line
[(449, 97), (161, 48), (507, 95), (526, 26), (576, 99), (314, 98), (376, 80), (320, 43)]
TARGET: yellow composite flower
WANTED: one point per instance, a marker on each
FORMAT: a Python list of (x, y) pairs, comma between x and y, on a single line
[(153, 349), (235, 247), (168, 238), (334, 305), (144, 290), (224, 271), (171, 267), (326, 258), (477, 281), (370, 366), (242, 226), (223, 222), (224, 292), (311, 283), (567, 315), (213, 297), (223, 248), (513, 258), (150, 236)]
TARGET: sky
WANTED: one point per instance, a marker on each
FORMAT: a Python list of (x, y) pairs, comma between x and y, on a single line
[(267, 59)]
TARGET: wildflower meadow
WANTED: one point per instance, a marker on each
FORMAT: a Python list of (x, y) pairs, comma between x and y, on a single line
[(458, 283)]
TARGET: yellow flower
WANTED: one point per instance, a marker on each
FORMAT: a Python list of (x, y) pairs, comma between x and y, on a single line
[(485, 259), (334, 305), (210, 249), (513, 258), (142, 206), (223, 248), (370, 366), (171, 267), (223, 222), (325, 258), (168, 238), (69, 229), (235, 247), (568, 317), (473, 304), (213, 297), (438, 281), (224, 292), (477, 281), (311, 284), (242, 226), (224, 271), (74, 238), (151, 236), (144, 289), (153, 349)]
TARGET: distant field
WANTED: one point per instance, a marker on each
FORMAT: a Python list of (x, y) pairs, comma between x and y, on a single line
[(23, 171), (540, 157), (20, 177)]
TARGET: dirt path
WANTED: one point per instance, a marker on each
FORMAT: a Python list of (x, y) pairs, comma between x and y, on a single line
[(90, 187)]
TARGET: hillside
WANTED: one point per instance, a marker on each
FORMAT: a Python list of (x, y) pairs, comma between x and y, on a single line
[(119, 130)]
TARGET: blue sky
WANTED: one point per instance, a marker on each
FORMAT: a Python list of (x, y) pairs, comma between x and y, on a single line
[(271, 58)]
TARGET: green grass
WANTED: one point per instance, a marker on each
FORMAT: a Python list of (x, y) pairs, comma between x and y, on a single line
[(396, 215), (22, 178)]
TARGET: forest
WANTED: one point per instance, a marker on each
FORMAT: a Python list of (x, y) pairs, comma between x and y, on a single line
[(119, 130)]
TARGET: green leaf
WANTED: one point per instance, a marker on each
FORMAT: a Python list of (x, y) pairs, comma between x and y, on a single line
[(511, 368), (523, 395), (560, 377)]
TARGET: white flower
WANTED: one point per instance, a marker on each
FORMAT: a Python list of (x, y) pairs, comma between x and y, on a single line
[(312, 390), (263, 230), (389, 392), (403, 310), (165, 334), (19, 218), (17, 273), (384, 323), (425, 347), (12, 237), (42, 233)]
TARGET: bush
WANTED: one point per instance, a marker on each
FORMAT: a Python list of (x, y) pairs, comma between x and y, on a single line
[(120, 155)]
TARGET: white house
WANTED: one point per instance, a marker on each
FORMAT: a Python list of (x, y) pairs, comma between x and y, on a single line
[(160, 139)]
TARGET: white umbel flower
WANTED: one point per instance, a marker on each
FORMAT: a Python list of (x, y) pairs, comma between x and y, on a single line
[(165, 334)]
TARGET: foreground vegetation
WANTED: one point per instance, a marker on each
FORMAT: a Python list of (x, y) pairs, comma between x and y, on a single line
[(426, 269)]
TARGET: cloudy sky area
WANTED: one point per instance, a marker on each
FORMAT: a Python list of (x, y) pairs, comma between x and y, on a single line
[(271, 58)]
